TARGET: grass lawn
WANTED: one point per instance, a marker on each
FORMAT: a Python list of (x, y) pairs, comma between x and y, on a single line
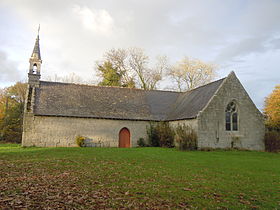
[(153, 178)]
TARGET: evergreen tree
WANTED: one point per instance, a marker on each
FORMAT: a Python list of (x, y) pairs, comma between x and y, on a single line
[(110, 75)]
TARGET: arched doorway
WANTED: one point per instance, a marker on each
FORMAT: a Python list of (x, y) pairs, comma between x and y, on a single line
[(124, 138)]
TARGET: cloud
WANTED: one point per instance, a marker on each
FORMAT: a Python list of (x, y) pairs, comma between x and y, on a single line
[(275, 43), (237, 35), (253, 28), (99, 21), (8, 69), (241, 48)]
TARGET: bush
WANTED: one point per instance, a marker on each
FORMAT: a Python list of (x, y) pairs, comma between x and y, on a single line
[(11, 123), (166, 134), (153, 136), (186, 138), (272, 141), (160, 134), (141, 142), (80, 141)]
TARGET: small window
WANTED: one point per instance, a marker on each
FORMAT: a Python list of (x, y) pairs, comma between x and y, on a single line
[(231, 117)]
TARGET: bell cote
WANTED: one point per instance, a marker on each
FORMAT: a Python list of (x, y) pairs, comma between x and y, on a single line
[(35, 62)]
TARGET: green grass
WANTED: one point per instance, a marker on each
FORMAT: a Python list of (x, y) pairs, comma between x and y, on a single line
[(137, 178)]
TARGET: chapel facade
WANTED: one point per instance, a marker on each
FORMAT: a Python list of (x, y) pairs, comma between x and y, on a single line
[(221, 112)]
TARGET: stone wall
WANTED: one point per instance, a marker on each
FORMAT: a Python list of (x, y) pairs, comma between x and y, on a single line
[(211, 120), (210, 125), (61, 131), (45, 131), (192, 123)]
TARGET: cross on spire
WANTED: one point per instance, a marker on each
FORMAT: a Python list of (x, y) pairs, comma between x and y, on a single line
[(38, 29)]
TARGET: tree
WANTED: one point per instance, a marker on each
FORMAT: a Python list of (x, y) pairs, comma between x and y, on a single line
[(119, 60), (134, 67), (138, 62), (17, 91), (110, 75), (272, 108), (190, 73), (2, 104), (69, 78), (148, 77), (11, 112), (158, 71)]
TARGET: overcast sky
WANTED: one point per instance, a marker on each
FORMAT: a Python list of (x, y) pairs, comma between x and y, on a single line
[(239, 35)]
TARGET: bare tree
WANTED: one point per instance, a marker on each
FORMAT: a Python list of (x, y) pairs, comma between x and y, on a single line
[(190, 73), (157, 72), (119, 59), (135, 67), (72, 78), (69, 78), (138, 63)]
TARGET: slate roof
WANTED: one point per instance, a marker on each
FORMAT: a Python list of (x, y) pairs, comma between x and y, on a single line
[(189, 103), (75, 100)]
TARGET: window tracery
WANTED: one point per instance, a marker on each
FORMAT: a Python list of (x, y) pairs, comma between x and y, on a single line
[(231, 117)]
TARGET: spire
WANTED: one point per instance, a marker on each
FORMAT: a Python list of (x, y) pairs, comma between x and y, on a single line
[(35, 62), (36, 50)]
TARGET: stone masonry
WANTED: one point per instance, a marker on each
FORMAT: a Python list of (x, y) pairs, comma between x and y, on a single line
[(56, 113), (211, 120)]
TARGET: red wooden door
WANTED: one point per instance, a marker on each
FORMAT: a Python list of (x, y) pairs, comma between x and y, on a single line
[(124, 138)]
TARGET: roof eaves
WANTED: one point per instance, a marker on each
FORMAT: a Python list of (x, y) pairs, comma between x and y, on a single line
[(93, 117)]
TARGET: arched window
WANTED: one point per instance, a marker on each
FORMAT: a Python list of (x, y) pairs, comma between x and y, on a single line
[(231, 117), (35, 68)]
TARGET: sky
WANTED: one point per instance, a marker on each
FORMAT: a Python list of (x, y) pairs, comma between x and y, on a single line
[(237, 35)]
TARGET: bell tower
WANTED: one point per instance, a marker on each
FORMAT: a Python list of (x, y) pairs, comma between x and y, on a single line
[(35, 62), (34, 75)]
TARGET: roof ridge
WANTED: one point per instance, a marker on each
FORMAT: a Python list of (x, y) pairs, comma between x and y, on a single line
[(93, 85), (138, 89)]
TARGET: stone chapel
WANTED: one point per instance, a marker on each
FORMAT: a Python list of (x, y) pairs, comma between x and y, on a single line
[(221, 112)]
